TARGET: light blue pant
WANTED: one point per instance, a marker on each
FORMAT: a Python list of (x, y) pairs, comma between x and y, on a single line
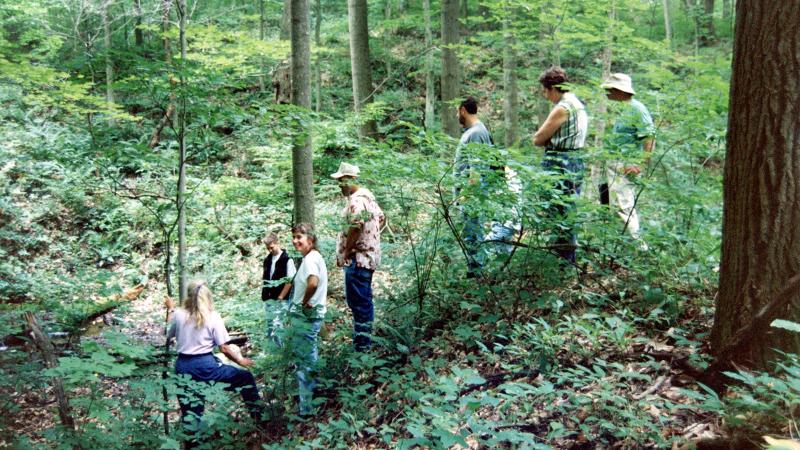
[(303, 333), (275, 311)]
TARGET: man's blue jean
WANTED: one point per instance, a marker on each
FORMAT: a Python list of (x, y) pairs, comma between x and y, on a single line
[(275, 311), (358, 292), (207, 368), (568, 167), (303, 338)]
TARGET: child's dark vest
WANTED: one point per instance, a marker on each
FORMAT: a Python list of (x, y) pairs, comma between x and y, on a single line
[(269, 293)]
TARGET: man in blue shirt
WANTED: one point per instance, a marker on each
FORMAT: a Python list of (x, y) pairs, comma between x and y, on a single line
[(629, 145)]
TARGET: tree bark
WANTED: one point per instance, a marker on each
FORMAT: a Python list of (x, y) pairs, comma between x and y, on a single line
[(708, 35), (510, 105), (360, 63), (430, 94), (318, 64), (726, 9), (450, 69), (302, 162), (166, 6), (181, 199), (262, 35), (42, 342), (606, 59), (138, 33), (667, 23), (760, 236), (109, 62), (286, 20)]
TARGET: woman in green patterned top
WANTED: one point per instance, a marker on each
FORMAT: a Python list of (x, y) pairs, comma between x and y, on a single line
[(562, 134)]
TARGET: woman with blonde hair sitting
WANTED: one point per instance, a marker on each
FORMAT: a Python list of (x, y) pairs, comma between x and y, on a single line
[(198, 329)]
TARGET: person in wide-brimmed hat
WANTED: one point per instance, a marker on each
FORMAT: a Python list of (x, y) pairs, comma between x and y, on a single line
[(358, 251), (629, 143)]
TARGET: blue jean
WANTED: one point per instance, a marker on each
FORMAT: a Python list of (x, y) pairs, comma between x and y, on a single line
[(303, 338), (208, 368), (569, 167), (275, 311), (358, 293)]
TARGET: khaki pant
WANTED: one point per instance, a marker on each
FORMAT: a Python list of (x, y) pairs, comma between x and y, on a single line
[(621, 191)]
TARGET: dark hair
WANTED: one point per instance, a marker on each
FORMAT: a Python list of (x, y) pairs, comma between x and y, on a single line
[(470, 104), (308, 230), (554, 77)]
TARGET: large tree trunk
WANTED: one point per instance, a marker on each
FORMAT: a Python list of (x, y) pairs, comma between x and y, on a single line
[(708, 35), (667, 22), (510, 105), (430, 93), (181, 200), (726, 9), (450, 81), (359, 61), (760, 233), (166, 6), (302, 162)]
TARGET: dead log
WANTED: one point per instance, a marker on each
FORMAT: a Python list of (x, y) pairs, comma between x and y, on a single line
[(42, 342), (161, 124)]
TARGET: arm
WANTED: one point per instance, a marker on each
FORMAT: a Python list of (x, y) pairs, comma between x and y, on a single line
[(235, 356), (285, 291), (351, 239), (647, 146), (554, 120), (311, 289)]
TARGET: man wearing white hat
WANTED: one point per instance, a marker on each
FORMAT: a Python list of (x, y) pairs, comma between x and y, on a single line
[(629, 144), (358, 250)]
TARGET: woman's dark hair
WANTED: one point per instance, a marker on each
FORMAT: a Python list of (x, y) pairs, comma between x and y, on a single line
[(308, 230), (554, 77)]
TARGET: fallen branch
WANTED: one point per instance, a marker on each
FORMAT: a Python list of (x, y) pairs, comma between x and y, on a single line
[(498, 379), (161, 124), (48, 354)]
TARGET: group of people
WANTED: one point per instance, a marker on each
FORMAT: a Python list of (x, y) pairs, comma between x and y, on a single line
[(563, 136), (297, 296)]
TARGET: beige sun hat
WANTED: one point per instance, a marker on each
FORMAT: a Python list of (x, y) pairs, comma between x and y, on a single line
[(346, 170), (619, 81)]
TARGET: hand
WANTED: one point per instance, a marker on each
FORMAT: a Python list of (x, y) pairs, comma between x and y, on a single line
[(632, 170), (169, 303), (245, 362), (307, 304)]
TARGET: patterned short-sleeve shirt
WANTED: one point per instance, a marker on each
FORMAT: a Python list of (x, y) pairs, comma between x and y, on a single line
[(361, 210)]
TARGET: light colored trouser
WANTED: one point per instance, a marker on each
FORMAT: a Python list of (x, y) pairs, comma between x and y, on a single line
[(621, 193)]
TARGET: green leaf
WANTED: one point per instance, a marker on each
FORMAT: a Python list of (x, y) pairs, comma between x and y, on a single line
[(786, 325)]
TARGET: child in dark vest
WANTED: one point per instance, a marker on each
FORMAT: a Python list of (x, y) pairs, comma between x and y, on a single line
[(278, 272)]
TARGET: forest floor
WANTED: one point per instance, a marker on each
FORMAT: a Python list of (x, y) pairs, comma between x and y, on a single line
[(652, 383)]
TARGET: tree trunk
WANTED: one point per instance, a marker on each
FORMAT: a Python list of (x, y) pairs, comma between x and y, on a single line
[(606, 60), (138, 33), (262, 33), (430, 94), (510, 105), (450, 69), (359, 62), (726, 9), (708, 35), (302, 162), (109, 62), (42, 342), (286, 20), (181, 199), (166, 6), (318, 65), (667, 23), (760, 236)]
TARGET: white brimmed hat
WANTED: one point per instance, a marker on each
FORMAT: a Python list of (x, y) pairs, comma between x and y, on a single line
[(346, 170), (619, 81)]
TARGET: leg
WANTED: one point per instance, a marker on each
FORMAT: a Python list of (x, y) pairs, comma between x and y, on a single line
[(304, 344), (358, 291), (472, 235), (242, 381), (623, 196), (275, 311)]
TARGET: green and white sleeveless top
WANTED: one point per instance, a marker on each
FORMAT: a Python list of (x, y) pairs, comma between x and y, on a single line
[(572, 133)]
